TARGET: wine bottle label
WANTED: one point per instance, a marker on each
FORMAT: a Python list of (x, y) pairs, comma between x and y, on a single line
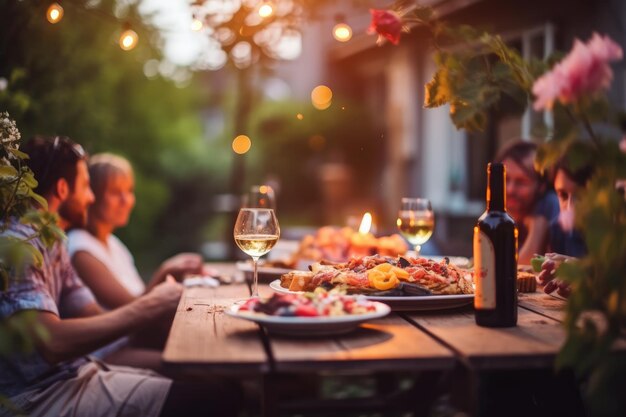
[(484, 271)]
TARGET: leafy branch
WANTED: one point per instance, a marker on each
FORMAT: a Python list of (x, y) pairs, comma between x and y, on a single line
[(18, 201)]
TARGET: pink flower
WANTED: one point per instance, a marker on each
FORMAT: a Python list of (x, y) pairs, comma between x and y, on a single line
[(584, 71), (387, 24), (604, 48)]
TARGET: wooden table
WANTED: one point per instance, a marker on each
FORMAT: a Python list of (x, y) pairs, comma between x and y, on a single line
[(204, 339)]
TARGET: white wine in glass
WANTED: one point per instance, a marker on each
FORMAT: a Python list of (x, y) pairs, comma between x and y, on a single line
[(256, 232), (416, 221)]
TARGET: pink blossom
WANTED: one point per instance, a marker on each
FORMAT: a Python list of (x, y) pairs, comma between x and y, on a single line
[(584, 71), (605, 48), (547, 89), (386, 23)]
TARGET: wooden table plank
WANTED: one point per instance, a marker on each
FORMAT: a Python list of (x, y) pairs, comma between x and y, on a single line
[(387, 344), (544, 304), (228, 270), (202, 334), (533, 343)]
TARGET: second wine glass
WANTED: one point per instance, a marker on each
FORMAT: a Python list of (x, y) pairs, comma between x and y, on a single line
[(416, 221), (256, 232)]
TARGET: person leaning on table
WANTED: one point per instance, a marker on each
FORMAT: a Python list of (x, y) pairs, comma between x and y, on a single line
[(528, 199), (57, 378), (568, 183), (102, 260)]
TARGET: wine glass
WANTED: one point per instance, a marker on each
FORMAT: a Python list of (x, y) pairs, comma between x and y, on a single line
[(256, 232), (260, 196), (416, 221)]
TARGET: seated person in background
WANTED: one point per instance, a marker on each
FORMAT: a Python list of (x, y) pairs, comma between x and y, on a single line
[(564, 239), (528, 199), (102, 261), (57, 378), (566, 243)]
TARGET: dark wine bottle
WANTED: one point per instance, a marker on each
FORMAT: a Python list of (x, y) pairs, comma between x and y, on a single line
[(495, 257)]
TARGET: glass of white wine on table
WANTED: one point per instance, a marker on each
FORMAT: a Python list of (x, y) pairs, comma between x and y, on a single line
[(256, 232), (416, 221)]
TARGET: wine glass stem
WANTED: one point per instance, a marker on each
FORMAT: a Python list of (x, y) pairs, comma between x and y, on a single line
[(418, 248), (255, 280)]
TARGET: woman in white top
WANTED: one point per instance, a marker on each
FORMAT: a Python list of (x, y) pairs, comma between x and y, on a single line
[(100, 258)]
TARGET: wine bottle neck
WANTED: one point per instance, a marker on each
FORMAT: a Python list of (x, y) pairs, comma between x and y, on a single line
[(496, 188)]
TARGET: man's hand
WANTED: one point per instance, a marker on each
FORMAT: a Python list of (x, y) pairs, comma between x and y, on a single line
[(166, 294)]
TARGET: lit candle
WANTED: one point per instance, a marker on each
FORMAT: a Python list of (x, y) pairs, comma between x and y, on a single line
[(363, 243)]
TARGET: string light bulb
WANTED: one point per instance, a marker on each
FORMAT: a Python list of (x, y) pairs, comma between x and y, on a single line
[(128, 38), (342, 32), (266, 9), (54, 14)]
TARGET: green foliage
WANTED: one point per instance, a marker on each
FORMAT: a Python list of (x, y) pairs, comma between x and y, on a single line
[(18, 202), (17, 334), (473, 78)]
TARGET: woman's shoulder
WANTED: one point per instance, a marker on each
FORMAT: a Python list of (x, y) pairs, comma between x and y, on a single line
[(79, 234), (82, 240), (116, 245), (115, 241)]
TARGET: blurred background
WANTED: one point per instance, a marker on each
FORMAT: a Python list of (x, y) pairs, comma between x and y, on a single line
[(332, 121)]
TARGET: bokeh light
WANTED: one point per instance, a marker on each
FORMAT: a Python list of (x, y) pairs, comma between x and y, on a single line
[(266, 10), (128, 39), (299, 116), (342, 32), (242, 144), (196, 25), (54, 13), (321, 97)]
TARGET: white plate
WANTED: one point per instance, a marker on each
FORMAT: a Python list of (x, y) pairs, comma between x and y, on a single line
[(406, 303), (310, 326)]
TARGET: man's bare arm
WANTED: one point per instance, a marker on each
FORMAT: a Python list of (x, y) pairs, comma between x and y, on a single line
[(70, 338)]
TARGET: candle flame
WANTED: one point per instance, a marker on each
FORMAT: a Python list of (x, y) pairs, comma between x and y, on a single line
[(366, 223)]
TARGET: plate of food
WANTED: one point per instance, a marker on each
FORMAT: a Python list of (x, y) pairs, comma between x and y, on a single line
[(309, 314), (405, 284), (405, 303), (460, 261)]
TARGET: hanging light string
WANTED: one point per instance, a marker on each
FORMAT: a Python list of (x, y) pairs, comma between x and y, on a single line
[(128, 38), (54, 14)]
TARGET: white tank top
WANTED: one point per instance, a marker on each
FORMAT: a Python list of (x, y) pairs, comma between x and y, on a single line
[(116, 257)]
